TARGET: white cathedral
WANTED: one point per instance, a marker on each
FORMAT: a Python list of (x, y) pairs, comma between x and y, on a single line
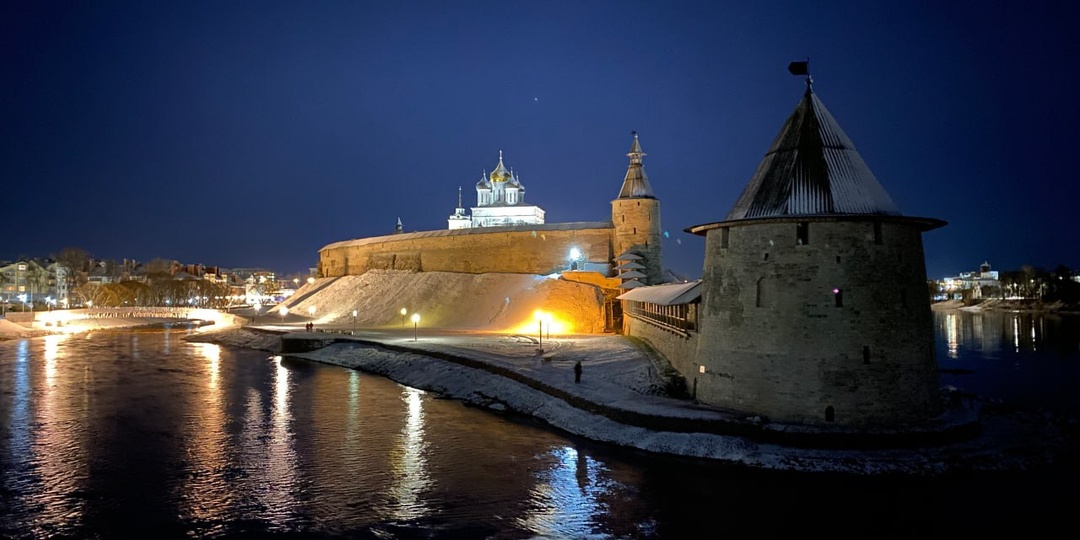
[(500, 202)]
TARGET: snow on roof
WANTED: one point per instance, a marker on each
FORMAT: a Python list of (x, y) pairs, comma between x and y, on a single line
[(665, 295)]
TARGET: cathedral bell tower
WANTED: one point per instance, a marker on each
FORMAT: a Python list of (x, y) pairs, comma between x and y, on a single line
[(636, 216)]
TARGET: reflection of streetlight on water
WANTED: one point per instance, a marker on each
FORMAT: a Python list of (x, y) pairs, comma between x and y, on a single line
[(415, 321)]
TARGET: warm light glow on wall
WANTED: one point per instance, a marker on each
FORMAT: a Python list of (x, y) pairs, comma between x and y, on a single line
[(553, 324)]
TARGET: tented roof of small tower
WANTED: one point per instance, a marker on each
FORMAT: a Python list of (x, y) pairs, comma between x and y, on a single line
[(632, 274), (629, 257), (636, 183), (812, 169), (631, 284)]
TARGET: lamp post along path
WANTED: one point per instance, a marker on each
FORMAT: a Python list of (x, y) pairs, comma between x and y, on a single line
[(415, 321)]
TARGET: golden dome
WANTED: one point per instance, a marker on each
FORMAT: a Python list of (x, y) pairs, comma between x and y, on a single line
[(500, 174)]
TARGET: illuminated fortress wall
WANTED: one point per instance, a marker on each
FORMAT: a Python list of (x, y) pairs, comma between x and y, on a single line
[(526, 249)]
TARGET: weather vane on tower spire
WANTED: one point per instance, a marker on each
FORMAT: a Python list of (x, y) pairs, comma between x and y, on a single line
[(802, 68)]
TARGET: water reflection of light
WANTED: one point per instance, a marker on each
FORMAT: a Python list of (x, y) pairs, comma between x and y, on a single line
[(354, 409), (57, 450), (565, 497), (951, 334), (281, 466), (1016, 333), (20, 420), (52, 349), (408, 462), (212, 353), (206, 493)]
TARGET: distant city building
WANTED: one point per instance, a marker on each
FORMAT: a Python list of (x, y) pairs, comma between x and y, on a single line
[(500, 202), (971, 284)]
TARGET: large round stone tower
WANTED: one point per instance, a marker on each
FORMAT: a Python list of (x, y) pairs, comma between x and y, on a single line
[(815, 307), (636, 216)]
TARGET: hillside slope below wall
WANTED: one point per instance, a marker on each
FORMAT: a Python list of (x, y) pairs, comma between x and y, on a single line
[(452, 300), (537, 249)]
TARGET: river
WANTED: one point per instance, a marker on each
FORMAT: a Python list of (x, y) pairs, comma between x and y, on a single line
[(144, 434)]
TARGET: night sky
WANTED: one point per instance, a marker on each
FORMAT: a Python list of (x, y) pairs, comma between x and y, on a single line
[(251, 134)]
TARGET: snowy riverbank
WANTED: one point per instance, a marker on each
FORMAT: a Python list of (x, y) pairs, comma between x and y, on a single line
[(1008, 441)]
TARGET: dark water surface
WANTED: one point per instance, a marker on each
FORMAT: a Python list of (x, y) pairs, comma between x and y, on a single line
[(142, 433)]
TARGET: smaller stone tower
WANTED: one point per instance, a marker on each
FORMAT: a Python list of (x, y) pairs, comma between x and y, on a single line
[(636, 216)]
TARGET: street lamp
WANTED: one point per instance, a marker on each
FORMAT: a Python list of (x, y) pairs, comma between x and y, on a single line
[(284, 311), (547, 319), (296, 283), (257, 307), (354, 319), (311, 311), (403, 312), (415, 321), (540, 321)]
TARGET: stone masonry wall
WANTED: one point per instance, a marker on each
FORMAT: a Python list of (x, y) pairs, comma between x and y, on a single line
[(475, 251), (680, 351), (777, 341), (637, 228)]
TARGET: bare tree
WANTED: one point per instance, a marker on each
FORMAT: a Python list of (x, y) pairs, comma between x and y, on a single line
[(76, 262)]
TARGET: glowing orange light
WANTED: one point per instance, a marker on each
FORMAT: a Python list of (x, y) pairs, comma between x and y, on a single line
[(552, 324)]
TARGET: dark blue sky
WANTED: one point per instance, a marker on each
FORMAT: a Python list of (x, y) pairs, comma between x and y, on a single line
[(254, 133)]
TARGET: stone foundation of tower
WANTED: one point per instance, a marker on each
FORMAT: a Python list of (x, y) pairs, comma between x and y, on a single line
[(821, 321)]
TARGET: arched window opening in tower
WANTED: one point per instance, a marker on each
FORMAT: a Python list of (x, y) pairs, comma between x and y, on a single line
[(724, 237), (830, 414)]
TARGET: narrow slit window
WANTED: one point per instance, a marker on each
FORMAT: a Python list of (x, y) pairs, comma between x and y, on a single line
[(837, 259), (838, 297), (830, 414), (866, 354), (877, 233), (802, 233), (724, 237), (766, 257)]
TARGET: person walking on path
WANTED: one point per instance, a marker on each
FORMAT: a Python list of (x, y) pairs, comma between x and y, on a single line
[(577, 372)]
